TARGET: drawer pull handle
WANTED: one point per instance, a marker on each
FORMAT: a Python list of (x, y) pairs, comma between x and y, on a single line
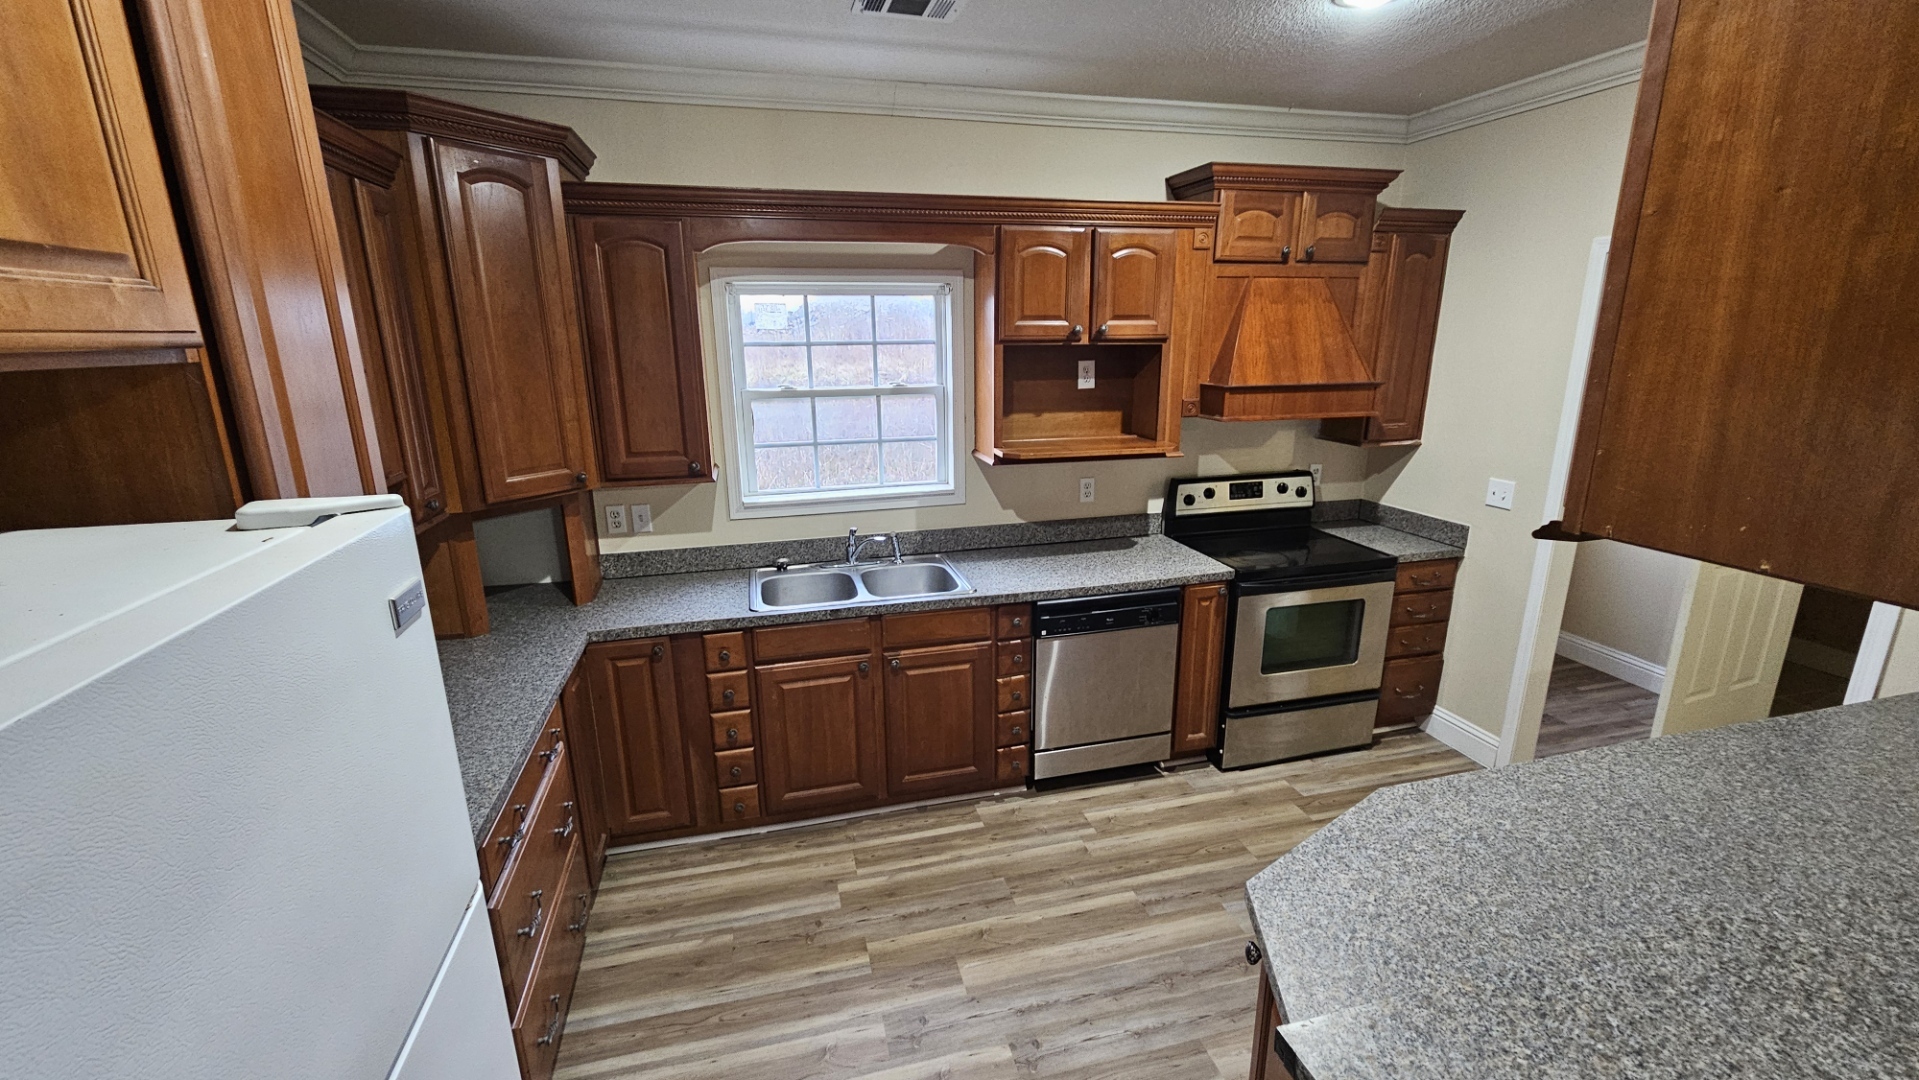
[(727, 696), (659, 652), (1019, 658), (552, 1025), (1018, 621), (739, 808), (585, 901), (726, 656), (1018, 697), (539, 915), (732, 735), (1253, 955), (565, 832), (735, 772), (1019, 732), (1413, 693), (1019, 766), (1417, 580), (512, 841)]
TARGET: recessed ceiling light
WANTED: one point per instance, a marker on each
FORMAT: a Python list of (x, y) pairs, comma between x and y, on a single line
[(1363, 5)]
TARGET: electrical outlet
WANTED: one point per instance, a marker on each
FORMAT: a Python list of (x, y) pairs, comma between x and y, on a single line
[(616, 520), (1085, 374), (1085, 489), (642, 515), (1499, 493), (1316, 470)]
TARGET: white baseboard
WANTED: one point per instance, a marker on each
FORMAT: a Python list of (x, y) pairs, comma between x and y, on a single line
[(1464, 736), (1636, 670)]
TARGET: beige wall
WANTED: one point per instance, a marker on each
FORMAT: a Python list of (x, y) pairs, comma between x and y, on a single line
[(1901, 675), (1627, 598), (1536, 188)]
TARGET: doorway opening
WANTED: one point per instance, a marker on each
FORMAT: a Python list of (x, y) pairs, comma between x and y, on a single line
[(1822, 652)]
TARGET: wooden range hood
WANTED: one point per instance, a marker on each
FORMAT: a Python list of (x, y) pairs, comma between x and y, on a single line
[(1287, 353)]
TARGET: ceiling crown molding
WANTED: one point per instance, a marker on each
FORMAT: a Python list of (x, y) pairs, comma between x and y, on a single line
[(339, 57)]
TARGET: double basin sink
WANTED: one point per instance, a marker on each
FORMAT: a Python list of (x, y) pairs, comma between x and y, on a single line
[(808, 588)]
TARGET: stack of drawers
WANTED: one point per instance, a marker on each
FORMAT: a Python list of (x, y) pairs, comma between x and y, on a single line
[(1013, 663), (729, 701), (1422, 604), (534, 866)]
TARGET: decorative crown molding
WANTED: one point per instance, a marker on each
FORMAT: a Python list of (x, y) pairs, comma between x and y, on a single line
[(339, 57)]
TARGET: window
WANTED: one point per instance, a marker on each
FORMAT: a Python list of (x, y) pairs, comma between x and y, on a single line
[(842, 391)]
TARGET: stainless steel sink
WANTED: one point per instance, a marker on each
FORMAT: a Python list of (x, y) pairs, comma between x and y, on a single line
[(810, 588)]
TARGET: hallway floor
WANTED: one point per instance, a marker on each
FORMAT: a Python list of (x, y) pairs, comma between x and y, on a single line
[(1587, 708)]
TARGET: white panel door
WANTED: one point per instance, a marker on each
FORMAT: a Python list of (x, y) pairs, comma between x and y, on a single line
[(1727, 651)]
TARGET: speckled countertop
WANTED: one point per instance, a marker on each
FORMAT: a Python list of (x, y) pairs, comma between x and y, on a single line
[(1739, 902), (501, 686), (1408, 547)]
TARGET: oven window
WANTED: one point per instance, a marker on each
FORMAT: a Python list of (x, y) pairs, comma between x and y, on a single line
[(1311, 636)]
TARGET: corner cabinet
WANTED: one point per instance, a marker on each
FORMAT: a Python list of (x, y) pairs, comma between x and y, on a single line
[(643, 348)]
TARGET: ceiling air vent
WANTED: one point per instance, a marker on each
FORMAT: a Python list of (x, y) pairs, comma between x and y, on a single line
[(917, 9)]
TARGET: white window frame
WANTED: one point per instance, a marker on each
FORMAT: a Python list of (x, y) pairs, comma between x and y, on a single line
[(953, 395)]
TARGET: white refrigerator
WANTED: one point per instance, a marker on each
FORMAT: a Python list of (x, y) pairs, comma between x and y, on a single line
[(234, 840)]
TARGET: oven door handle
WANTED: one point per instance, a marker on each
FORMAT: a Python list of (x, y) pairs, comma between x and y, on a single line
[(1328, 581)]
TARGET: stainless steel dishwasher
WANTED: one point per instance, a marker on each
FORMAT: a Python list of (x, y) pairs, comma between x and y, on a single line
[(1103, 673)]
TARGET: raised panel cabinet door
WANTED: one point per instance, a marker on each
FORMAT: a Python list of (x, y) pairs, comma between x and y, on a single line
[(819, 735), (1336, 226), (643, 348), (90, 255), (510, 281), (1043, 282), (642, 781), (1133, 284), (1202, 668), (940, 721), (1257, 226), (1409, 322)]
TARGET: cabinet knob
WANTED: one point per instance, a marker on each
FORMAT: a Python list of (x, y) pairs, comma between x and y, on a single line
[(1019, 765), (1019, 732), (1018, 621), (1100, 331), (727, 696), (1286, 253), (726, 655), (896, 665), (739, 808), (1018, 697), (1309, 254), (732, 735), (1076, 332), (433, 505), (579, 478), (694, 468), (735, 772), (1019, 658), (659, 651), (865, 667), (1253, 955)]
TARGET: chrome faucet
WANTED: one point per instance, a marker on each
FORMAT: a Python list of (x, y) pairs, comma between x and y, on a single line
[(856, 545)]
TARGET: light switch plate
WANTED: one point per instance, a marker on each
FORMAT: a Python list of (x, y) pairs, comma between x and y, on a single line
[(1085, 489), (642, 517), (616, 520), (1085, 374), (1499, 493)]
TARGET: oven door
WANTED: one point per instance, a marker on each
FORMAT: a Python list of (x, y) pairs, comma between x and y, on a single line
[(1296, 641)]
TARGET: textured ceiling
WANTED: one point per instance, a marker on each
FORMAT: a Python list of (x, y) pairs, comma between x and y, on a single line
[(1409, 56)]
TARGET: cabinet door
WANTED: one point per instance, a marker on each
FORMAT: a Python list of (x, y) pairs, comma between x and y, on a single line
[(939, 721), (1133, 284), (1408, 322), (1336, 227), (641, 762), (90, 257), (1043, 287), (819, 735), (511, 286), (382, 315), (1257, 226), (1202, 668), (643, 348)]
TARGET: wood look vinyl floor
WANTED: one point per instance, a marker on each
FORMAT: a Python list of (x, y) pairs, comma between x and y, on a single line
[(1093, 932), (1587, 708)]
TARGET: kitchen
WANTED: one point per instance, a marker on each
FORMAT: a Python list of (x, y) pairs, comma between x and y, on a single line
[(636, 345)]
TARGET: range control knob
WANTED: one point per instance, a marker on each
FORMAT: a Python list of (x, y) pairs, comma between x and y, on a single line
[(1209, 493), (1189, 500), (1300, 491)]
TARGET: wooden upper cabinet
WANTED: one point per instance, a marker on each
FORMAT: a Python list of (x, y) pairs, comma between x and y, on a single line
[(1044, 282), (1287, 213), (819, 735), (637, 755), (940, 721), (1754, 385), (511, 296), (1133, 284), (1336, 226), (90, 255), (643, 348), (360, 176), (1257, 226)]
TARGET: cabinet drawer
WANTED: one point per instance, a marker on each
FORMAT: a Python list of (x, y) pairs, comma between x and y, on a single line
[(732, 768), (539, 1017), (529, 890), (1014, 728), (1014, 658), (732, 730), (726, 652), (841, 637), (1415, 639), (1409, 689), (1014, 692), (739, 803), (1421, 576), (1421, 607), (509, 829), (727, 691), (936, 628), (1015, 621), (1012, 765)]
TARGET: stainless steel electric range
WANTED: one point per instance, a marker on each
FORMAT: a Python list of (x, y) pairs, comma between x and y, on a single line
[(1306, 638)]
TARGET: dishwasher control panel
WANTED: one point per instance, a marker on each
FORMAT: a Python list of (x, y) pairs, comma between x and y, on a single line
[(1098, 614)]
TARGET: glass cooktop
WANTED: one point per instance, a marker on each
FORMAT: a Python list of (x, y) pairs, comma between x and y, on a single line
[(1281, 554)]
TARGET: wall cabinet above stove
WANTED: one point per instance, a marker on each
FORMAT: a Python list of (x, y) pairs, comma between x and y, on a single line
[(1287, 213)]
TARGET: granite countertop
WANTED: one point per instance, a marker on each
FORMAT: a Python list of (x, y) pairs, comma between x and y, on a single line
[(1739, 902), (1408, 547), (501, 686)]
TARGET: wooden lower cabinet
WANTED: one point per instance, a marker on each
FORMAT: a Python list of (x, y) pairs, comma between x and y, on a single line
[(539, 1015), (1415, 640), (819, 735), (640, 769), (940, 720), (1267, 1063), (1202, 666)]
